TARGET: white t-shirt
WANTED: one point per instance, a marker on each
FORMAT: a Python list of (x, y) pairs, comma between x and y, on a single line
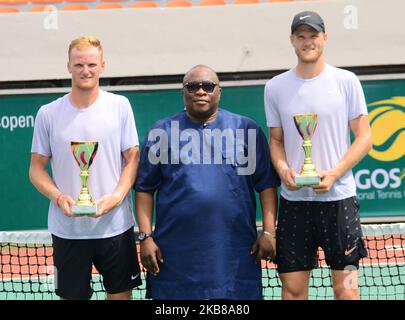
[(110, 122), (337, 97)]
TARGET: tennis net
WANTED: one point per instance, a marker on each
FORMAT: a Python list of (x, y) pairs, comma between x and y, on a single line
[(27, 273)]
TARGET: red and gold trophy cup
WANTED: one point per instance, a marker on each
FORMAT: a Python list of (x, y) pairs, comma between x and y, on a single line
[(84, 153), (306, 125)]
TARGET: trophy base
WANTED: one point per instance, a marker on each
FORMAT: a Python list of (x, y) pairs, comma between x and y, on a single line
[(81, 209), (307, 180)]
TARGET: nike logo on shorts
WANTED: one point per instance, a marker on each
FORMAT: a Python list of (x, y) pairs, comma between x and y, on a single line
[(134, 277), (349, 251)]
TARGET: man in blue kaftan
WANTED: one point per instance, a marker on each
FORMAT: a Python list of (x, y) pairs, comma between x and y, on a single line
[(205, 164)]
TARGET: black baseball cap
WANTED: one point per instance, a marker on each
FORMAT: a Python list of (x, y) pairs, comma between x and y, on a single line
[(309, 18)]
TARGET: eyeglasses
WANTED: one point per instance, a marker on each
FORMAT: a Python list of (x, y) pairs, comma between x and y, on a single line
[(207, 86)]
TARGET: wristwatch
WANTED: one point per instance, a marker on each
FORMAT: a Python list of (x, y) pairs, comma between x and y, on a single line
[(143, 235)]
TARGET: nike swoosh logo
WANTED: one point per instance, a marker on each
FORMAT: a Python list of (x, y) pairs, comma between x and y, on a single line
[(134, 277), (304, 17), (347, 252)]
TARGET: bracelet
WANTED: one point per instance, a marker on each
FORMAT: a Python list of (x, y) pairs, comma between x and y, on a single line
[(267, 233), (58, 199)]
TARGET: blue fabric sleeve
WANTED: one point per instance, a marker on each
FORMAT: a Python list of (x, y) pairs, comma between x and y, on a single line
[(265, 176), (149, 175)]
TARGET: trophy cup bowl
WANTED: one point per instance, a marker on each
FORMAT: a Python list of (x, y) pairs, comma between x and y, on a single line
[(84, 153), (306, 125)]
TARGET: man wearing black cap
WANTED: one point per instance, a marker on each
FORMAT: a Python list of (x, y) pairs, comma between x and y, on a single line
[(324, 215)]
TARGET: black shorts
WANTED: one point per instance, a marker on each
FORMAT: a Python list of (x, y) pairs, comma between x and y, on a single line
[(115, 259), (303, 226)]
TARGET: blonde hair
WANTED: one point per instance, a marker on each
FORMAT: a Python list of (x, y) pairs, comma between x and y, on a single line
[(85, 42)]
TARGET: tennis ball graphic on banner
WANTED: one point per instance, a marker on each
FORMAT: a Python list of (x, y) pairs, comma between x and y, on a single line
[(387, 121)]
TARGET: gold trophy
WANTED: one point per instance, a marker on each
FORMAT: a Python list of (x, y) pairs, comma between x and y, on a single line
[(84, 153), (306, 125)]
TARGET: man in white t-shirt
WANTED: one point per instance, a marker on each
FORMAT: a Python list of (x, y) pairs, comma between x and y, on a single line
[(105, 239), (324, 215)]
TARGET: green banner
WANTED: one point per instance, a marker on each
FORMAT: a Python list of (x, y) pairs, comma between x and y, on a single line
[(379, 176)]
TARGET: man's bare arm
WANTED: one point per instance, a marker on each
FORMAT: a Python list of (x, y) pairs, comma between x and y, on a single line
[(43, 182), (279, 159), (124, 185), (360, 147)]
